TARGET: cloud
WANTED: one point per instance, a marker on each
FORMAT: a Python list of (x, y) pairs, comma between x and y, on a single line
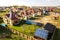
[(30, 2)]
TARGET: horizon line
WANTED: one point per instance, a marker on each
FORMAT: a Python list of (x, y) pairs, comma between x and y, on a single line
[(31, 6)]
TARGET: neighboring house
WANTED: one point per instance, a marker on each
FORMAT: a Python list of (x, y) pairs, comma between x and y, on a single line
[(7, 20), (11, 18), (2, 9)]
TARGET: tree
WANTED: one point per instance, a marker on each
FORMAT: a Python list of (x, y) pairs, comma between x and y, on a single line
[(1, 20)]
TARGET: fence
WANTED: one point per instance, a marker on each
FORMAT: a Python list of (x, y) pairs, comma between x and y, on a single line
[(22, 35)]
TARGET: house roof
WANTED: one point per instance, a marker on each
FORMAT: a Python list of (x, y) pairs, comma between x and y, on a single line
[(13, 16), (20, 8)]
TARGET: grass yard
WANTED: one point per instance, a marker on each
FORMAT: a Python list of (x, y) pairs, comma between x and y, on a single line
[(30, 29), (26, 29)]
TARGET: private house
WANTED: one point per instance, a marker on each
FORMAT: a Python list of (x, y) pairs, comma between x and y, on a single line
[(26, 14), (11, 18), (31, 12), (2, 9), (7, 20)]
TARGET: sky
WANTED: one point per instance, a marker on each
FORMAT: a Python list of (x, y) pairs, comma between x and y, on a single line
[(30, 2)]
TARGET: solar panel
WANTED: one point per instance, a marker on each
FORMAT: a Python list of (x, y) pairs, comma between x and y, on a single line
[(41, 33)]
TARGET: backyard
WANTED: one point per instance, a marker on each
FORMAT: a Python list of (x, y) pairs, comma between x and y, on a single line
[(30, 29)]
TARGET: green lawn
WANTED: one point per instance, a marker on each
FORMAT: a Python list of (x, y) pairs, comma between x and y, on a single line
[(30, 29), (26, 29)]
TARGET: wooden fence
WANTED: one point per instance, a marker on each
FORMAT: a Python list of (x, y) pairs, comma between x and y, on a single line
[(22, 35)]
